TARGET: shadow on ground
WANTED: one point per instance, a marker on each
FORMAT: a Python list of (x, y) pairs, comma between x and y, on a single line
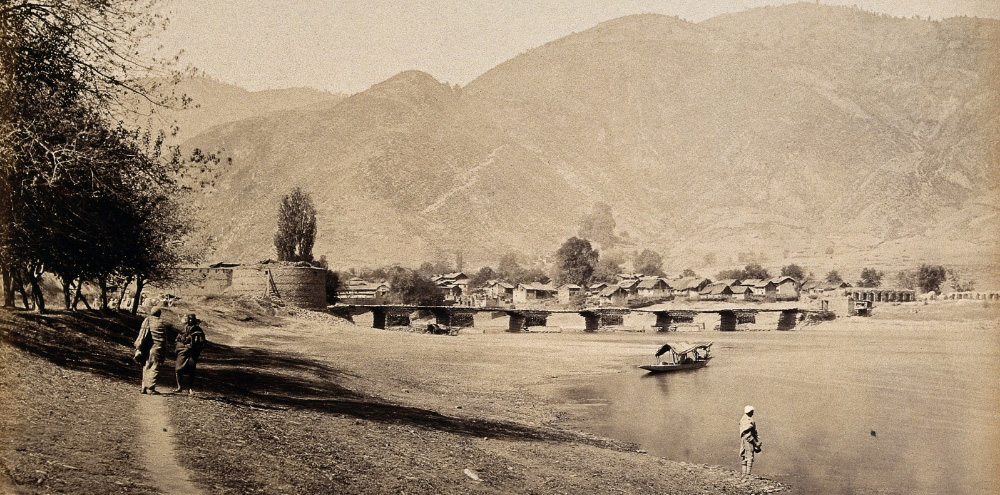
[(101, 343)]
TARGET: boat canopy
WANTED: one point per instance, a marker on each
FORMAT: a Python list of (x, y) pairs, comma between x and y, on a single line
[(682, 347)]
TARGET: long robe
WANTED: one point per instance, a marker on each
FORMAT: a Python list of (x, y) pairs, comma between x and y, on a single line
[(188, 346), (748, 438), (149, 343)]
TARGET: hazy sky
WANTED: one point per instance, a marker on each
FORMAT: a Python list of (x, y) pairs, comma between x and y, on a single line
[(348, 45)]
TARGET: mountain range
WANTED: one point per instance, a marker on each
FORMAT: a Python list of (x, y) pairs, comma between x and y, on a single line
[(826, 136)]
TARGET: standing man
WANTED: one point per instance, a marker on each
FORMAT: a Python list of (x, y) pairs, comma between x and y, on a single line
[(749, 442), (149, 350), (188, 345)]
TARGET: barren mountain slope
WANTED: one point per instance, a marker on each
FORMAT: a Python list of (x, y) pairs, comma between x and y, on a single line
[(802, 129)]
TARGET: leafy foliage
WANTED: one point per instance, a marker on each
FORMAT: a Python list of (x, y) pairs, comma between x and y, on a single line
[(410, 287), (575, 262), (480, 278), (794, 271), (834, 277), (649, 262), (296, 227), (870, 277), (930, 277)]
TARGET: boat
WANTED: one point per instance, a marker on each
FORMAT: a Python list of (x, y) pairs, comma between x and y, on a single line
[(680, 356)]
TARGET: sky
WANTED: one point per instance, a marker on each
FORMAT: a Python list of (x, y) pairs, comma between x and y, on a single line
[(348, 45)]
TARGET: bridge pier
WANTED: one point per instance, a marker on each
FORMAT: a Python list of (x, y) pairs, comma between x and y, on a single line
[(730, 319), (787, 319), (663, 321), (461, 318), (521, 320), (390, 317), (595, 319)]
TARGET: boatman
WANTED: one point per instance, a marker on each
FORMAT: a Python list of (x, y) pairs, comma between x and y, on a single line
[(749, 442)]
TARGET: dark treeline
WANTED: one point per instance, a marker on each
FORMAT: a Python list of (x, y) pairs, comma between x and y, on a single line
[(85, 198)]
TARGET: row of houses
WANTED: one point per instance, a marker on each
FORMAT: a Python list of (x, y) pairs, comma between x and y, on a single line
[(629, 286)]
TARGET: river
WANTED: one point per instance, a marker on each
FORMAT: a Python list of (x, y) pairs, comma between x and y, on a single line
[(853, 406)]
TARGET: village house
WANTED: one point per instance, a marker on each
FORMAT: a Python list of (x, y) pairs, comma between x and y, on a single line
[(821, 288), (501, 291), (596, 288), (524, 293), (454, 285), (740, 292), (631, 286), (614, 295), (689, 287), (785, 288), (567, 292), (652, 287), (716, 292), (363, 291)]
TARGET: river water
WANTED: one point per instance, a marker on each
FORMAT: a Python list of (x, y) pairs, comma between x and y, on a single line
[(843, 407)]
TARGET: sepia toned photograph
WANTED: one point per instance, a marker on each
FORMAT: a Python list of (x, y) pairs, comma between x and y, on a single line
[(524, 247)]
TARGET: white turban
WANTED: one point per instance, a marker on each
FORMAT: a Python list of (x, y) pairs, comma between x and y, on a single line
[(748, 410)]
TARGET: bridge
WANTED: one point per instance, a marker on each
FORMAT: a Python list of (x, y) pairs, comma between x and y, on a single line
[(398, 315)]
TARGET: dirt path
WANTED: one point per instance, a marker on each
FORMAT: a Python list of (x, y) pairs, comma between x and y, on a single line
[(157, 444)]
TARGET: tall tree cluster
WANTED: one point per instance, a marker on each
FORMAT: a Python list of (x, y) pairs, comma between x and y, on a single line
[(82, 196), (296, 227)]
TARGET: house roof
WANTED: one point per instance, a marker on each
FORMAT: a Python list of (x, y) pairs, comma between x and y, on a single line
[(598, 285), (652, 283), (754, 282), (571, 286), (717, 289), (539, 287), (689, 283), (731, 281), (628, 284), (782, 279), (739, 289), (610, 291)]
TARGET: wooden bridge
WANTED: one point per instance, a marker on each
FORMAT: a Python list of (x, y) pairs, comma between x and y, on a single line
[(398, 315)]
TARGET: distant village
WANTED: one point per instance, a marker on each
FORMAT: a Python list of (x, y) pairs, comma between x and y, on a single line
[(630, 289)]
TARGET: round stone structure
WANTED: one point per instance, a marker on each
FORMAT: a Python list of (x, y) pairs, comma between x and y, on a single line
[(302, 286)]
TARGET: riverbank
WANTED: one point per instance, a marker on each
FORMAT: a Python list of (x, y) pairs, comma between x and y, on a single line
[(308, 403)]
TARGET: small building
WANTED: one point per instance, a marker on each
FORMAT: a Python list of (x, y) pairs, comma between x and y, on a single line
[(741, 292), (501, 291), (690, 287), (596, 288), (631, 286), (785, 288), (533, 292), (566, 292), (362, 291), (454, 285), (614, 295), (652, 287), (716, 292)]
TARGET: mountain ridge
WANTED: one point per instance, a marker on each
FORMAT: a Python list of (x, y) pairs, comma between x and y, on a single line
[(723, 137)]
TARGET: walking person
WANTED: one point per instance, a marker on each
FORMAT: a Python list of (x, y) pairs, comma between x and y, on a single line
[(749, 441), (149, 350), (190, 341)]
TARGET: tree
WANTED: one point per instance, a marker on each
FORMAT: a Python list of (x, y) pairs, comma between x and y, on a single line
[(959, 285), (834, 277), (906, 279), (930, 277), (575, 261), (870, 277), (649, 262), (409, 287), (754, 270), (734, 273), (794, 271), (508, 266), (480, 278), (296, 227), (599, 225), (607, 269), (80, 193), (687, 273)]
